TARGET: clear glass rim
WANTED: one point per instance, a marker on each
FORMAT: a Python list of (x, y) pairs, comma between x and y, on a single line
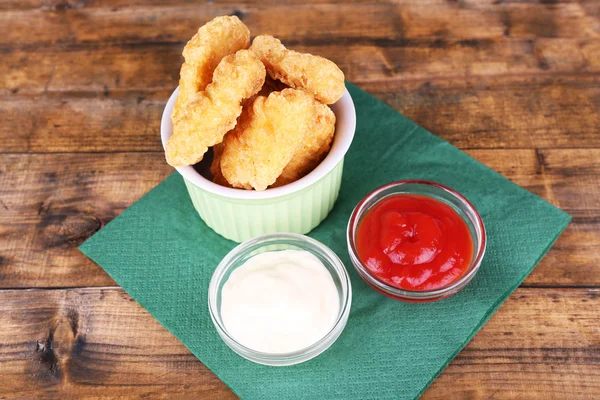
[(289, 358), (361, 208)]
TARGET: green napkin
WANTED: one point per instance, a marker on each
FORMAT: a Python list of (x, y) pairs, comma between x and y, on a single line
[(163, 255)]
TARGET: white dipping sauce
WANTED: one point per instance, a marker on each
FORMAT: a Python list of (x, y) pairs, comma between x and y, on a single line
[(279, 301)]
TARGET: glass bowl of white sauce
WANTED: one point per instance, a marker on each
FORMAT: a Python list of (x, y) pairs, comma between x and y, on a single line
[(280, 299)]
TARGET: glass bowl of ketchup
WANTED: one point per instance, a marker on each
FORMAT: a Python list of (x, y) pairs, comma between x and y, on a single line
[(416, 241)]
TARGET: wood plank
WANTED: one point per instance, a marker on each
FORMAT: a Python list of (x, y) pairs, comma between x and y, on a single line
[(81, 124), (100, 343), (343, 22), (94, 343), (65, 199), (541, 344), (156, 67), (512, 112), (506, 112), (50, 203), (105, 70), (569, 179), (64, 5)]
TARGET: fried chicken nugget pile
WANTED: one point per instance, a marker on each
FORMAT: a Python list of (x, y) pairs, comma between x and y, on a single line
[(218, 38), (268, 134), (314, 74), (262, 108), (212, 113)]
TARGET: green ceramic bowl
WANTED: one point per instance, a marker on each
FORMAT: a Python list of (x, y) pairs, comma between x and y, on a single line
[(298, 207)]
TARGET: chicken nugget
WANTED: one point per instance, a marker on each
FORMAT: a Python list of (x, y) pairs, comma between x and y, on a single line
[(216, 39), (271, 85), (314, 148), (212, 113), (215, 166), (313, 74), (268, 134)]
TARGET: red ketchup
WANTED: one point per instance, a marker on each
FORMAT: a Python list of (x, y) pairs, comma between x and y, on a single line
[(414, 242)]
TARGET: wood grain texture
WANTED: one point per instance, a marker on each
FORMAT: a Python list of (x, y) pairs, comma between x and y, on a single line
[(82, 86), (151, 67), (81, 124), (70, 198), (51, 203), (512, 112), (345, 22), (519, 112), (94, 343), (65, 5), (540, 345), (99, 343)]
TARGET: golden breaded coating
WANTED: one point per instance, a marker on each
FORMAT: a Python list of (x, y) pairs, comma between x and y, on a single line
[(314, 148), (215, 166), (314, 74), (271, 85), (269, 132), (212, 113), (216, 39)]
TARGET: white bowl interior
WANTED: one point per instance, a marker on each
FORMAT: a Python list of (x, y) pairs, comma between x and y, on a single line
[(199, 174)]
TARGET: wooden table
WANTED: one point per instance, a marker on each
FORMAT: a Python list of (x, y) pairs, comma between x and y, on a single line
[(515, 84)]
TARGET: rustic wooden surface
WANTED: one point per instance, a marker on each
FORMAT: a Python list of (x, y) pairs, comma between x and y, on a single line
[(515, 83)]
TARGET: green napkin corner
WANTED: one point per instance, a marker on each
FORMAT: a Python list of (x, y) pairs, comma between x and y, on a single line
[(163, 255)]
